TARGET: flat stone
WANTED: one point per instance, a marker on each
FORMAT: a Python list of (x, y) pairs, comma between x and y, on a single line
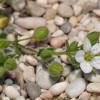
[(93, 87), (30, 22), (35, 9), (62, 10), (75, 88)]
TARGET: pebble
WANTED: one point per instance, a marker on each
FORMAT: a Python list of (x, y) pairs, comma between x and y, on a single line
[(43, 79), (5, 98), (24, 42), (42, 2), (74, 76), (77, 9), (35, 9), (50, 13), (57, 42), (73, 20), (8, 82), (66, 28), (52, 27), (11, 92), (93, 87), (31, 60), (97, 12), (11, 37), (33, 90), (59, 21), (84, 96), (89, 6), (30, 22), (52, 1), (75, 88), (20, 98), (92, 77), (28, 72), (62, 10), (58, 88), (46, 95), (58, 33)]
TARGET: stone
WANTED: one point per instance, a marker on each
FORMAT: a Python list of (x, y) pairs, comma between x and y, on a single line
[(97, 12), (74, 75), (33, 90), (59, 20), (50, 13), (57, 42), (58, 88), (75, 88), (66, 28), (20, 98), (77, 9), (35, 9), (42, 2), (28, 72), (11, 92), (31, 60), (46, 95), (63, 7), (84, 96), (58, 33), (52, 1), (73, 21), (93, 87), (43, 79), (8, 82), (5, 98), (93, 77), (30, 22)]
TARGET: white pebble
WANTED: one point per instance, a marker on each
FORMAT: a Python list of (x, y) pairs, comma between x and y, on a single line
[(75, 88), (59, 20), (20, 98), (58, 88), (11, 92), (10, 37), (5, 98), (42, 2), (58, 33)]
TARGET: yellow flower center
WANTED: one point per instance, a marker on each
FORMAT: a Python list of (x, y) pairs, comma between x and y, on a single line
[(88, 56)]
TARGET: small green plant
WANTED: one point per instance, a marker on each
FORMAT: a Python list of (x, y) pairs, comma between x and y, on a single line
[(55, 69), (40, 34)]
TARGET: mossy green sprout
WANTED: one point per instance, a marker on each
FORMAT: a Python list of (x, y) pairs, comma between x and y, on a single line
[(2, 56), (55, 69), (2, 71), (40, 34)]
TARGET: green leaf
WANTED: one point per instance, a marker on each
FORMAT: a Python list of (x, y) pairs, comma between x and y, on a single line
[(2, 35), (55, 69), (46, 53), (93, 37), (2, 71), (10, 64), (73, 46), (2, 56), (4, 43)]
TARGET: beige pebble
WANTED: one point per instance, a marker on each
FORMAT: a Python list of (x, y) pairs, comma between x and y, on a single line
[(97, 12), (73, 21), (57, 42), (84, 96)]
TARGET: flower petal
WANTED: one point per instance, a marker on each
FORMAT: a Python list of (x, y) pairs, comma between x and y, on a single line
[(87, 45), (79, 56), (96, 62), (96, 49), (86, 67)]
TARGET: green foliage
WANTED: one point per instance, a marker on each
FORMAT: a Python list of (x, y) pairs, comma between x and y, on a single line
[(2, 71), (93, 37), (4, 43), (46, 53), (40, 34), (2, 56), (2, 35), (10, 64), (55, 69)]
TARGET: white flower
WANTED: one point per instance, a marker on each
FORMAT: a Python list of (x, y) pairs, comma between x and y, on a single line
[(88, 57)]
